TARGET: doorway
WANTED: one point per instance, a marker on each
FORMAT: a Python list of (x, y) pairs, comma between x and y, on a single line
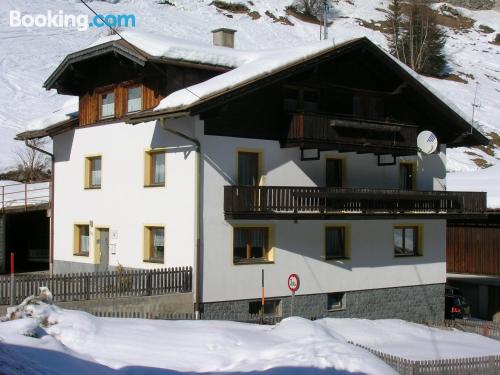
[(102, 249)]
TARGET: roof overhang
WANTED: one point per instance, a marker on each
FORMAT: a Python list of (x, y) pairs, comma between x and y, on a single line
[(119, 47), (469, 135), (48, 131)]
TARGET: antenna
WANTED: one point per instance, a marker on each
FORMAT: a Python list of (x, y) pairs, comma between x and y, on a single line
[(474, 106)]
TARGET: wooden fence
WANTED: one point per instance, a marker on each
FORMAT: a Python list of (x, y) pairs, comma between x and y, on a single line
[(239, 317), (96, 285), (489, 365), (481, 327)]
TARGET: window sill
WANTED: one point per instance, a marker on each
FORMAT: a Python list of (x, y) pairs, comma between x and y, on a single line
[(157, 261), (92, 187), (81, 254), (407, 256), (250, 262), (154, 185), (337, 309), (330, 259)]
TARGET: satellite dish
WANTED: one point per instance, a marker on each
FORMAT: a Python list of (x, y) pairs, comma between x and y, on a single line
[(427, 142)]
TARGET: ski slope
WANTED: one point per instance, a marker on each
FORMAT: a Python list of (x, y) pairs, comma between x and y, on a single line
[(29, 55)]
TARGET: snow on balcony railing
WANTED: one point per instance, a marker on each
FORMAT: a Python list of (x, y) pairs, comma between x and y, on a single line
[(17, 195)]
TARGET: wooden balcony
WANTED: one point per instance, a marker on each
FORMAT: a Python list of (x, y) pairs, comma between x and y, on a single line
[(282, 202), (342, 133)]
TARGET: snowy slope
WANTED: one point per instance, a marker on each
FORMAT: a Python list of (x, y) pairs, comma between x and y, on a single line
[(28, 56)]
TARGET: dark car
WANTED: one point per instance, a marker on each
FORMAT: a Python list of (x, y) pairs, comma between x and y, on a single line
[(456, 307)]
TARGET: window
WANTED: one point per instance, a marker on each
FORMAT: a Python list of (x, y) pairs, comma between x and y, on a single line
[(154, 244), (336, 243), (93, 170), (407, 176), (336, 301), (406, 241), (134, 99), (155, 168), (271, 307), (248, 168), (368, 107), (334, 172), (251, 245), (108, 105), (301, 99), (81, 240)]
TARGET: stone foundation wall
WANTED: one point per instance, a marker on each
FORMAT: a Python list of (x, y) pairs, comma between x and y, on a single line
[(413, 303)]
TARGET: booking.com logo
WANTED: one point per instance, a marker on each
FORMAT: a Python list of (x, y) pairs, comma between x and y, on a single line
[(60, 19)]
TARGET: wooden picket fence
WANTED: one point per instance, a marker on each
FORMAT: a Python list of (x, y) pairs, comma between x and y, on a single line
[(481, 327), (489, 365), (97, 285), (235, 317)]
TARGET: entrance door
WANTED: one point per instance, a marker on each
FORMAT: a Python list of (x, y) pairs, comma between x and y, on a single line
[(102, 247)]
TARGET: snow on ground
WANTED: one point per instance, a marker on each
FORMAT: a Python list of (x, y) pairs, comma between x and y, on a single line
[(137, 346), (410, 340), (484, 180), (73, 341)]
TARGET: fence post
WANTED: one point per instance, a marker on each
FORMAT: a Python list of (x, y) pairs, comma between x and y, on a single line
[(149, 282), (12, 285), (87, 286)]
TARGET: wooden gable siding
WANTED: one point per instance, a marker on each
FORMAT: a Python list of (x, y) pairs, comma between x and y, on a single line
[(89, 108), (90, 102), (473, 250)]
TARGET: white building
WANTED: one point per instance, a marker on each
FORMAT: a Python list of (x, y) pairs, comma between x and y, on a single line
[(242, 164)]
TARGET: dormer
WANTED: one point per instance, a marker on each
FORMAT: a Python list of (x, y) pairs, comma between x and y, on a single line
[(116, 79)]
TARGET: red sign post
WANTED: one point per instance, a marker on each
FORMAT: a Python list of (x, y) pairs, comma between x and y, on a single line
[(293, 285)]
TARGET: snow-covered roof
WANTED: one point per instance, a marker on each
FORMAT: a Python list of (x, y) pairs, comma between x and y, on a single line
[(263, 63), (68, 111)]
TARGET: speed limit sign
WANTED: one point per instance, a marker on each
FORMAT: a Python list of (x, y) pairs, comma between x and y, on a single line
[(293, 282)]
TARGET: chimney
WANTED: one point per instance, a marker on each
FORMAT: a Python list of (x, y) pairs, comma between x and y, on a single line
[(224, 37)]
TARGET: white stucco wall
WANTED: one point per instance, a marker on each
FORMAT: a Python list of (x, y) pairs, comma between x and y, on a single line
[(299, 246), (123, 203)]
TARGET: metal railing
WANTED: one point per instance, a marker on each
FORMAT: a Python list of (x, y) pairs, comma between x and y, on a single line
[(24, 195)]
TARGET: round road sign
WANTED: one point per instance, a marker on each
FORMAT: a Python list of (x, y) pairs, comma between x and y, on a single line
[(293, 282)]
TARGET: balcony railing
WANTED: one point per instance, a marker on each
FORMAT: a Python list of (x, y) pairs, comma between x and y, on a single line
[(283, 202), (343, 133)]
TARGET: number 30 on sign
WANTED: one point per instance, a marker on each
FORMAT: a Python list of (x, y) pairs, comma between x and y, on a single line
[(293, 282)]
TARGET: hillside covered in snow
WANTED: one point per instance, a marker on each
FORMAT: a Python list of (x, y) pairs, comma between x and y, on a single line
[(29, 55)]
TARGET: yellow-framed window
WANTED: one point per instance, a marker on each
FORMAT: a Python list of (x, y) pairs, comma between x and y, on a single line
[(155, 168), (407, 240), (81, 244), (154, 244), (337, 242), (93, 172), (251, 245)]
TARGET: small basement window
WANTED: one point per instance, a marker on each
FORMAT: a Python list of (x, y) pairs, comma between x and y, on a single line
[(251, 245), (271, 307), (406, 241), (134, 99), (107, 105), (81, 240), (154, 244), (336, 301), (93, 171)]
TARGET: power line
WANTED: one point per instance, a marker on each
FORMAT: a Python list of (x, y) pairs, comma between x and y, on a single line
[(140, 52)]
